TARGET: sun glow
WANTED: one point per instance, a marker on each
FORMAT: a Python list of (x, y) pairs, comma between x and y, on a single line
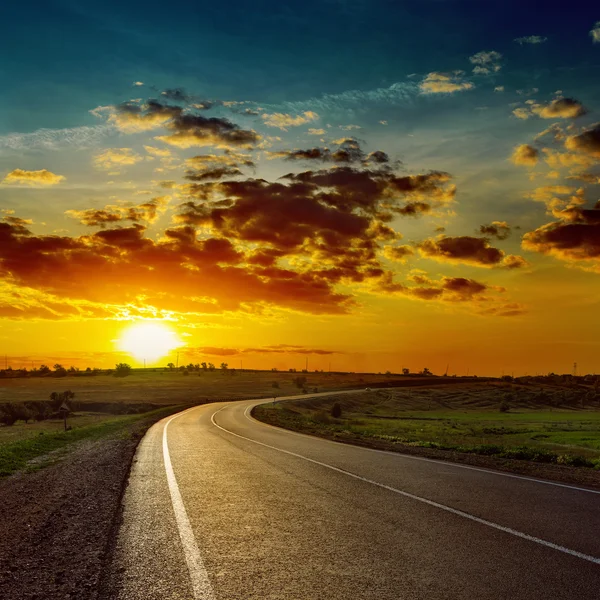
[(148, 341)]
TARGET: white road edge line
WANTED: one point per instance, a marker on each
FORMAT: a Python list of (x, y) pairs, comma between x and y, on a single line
[(446, 463), (198, 575), (449, 509)]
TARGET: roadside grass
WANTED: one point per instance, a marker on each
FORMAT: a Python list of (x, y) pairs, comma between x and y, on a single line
[(558, 436), (24, 454), (22, 431)]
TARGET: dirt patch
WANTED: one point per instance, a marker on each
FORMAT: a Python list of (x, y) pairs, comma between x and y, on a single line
[(57, 523)]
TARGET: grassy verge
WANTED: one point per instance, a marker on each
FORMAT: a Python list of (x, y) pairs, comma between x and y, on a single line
[(23, 454), (561, 437)]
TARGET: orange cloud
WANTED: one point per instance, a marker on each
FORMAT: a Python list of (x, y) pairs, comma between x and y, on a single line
[(115, 158), (283, 120), (444, 83), (42, 177), (524, 154)]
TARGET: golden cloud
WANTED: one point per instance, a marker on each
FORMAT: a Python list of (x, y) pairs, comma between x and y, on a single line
[(444, 83), (114, 158), (283, 120), (524, 154), (42, 177)]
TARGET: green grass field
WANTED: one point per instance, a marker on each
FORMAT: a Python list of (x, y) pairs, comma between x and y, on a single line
[(461, 418)]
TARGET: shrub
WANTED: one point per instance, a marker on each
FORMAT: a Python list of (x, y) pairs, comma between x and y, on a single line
[(504, 406), (122, 370), (275, 384), (336, 411)]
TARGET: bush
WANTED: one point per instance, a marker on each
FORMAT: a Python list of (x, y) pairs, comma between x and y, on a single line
[(504, 406), (122, 370), (275, 384), (336, 411)]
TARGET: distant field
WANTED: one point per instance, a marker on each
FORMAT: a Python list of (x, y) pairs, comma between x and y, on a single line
[(541, 423), (164, 387)]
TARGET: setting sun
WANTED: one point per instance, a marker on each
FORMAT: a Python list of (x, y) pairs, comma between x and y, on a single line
[(149, 341)]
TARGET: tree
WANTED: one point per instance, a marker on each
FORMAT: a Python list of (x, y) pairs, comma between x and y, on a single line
[(122, 370), (59, 370), (204, 366), (44, 370), (211, 367), (299, 381), (171, 366), (224, 366)]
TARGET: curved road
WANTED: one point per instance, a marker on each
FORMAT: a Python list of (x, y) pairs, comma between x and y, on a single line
[(220, 507)]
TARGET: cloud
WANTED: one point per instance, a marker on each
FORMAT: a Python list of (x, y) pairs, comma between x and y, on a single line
[(132, 117), (559, 108), (572, 160), (401, 92), (522, 113), (499, 88), (111, 214), (37, 178), (563, 108), (283, 121), (213, 173), (576, 237), (196, 130), (530, 39), (312, 131), (398, 253), (115, 158), (486, 62), (498, 229), (160, 152), (595, 33), (350, 127), (587, 142), (179, 95), (479, 297), (444, 83), (56, 139), (466, 249), (137, 83), (524, 154), (349, 151)]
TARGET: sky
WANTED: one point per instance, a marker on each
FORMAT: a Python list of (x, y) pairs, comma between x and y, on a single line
[(369, 185)]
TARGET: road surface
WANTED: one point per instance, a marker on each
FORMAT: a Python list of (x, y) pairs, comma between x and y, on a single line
[(222, 507)]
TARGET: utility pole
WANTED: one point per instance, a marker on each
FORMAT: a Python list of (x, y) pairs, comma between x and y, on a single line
[(574, 369), (307, 364), (177, 365)]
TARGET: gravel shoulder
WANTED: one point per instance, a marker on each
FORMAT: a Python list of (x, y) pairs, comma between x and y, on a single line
[(57, 523)]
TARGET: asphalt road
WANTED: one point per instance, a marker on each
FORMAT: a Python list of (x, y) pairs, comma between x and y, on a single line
[(220, 506)]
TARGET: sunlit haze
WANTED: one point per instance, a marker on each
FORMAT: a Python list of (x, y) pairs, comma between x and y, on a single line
[(148, 342)]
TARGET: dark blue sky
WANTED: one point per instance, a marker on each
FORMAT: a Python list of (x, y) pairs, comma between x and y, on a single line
[(62, 58)]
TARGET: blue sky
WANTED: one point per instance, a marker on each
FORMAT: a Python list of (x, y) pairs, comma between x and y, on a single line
[(62, 57)]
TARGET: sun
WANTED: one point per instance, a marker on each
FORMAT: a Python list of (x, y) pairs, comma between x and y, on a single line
[(148, 341)]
